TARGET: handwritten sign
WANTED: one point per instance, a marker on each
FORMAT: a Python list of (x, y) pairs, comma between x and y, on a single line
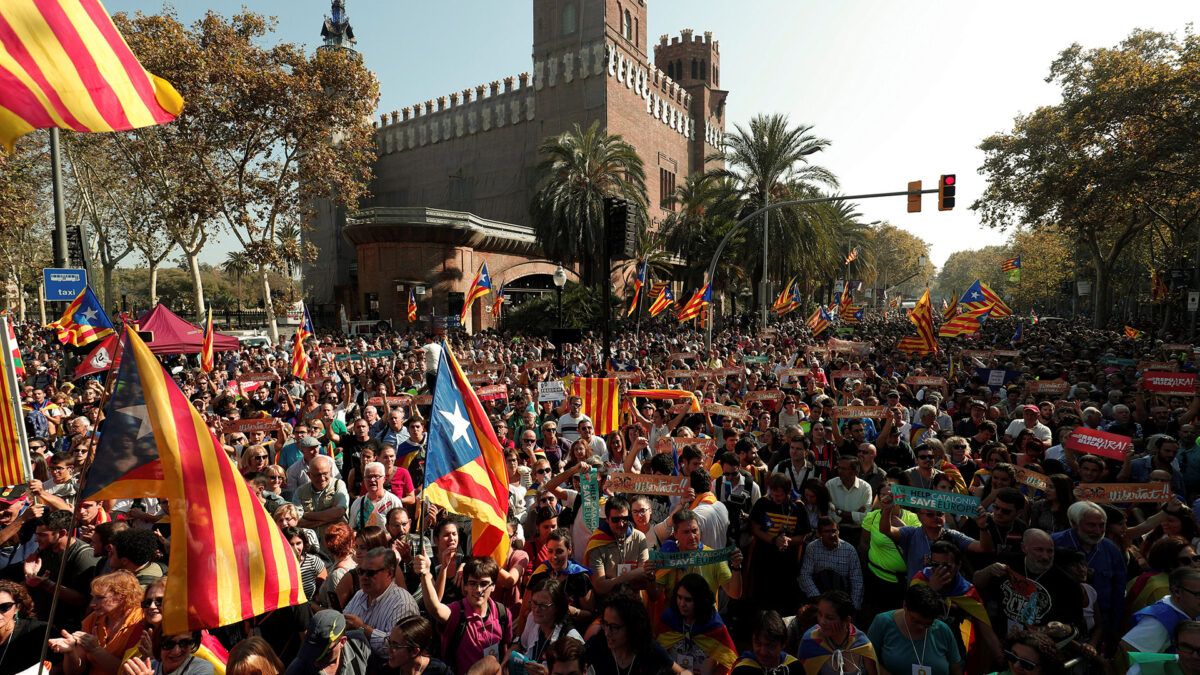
[(1107, 493), (491, 392), (259, 377), (726, 372), (1172, 366), (843, 411), (975, 354), (849, 374), (684, 559), (348, 357), (427, 399), (1006, 353), (769, 395), (399, 401), (849, 347), (1048, 387), (924, 381), (946, 502), (1169, 383), (267, 424), (533, 365), (1033, 479), (627, 376), (554, 390), (795, 372), (489, 368), (482, 378), (706, 446), (680, 356), (763, 358), (1096, 442), (647, 484), (679, 374), (338, 350), (1116, 361), (725, 410)]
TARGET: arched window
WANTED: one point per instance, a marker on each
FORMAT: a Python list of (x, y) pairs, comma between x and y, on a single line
[(703, 70), (627, 25), (671, 69), (695, 74), (568, 19), (678, 69)]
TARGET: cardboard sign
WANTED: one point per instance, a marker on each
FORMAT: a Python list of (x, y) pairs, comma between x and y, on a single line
[(975, 354), (258, 377), (843, 411), (647, 484), (923, 381), (1169, 383), (1033, 479), (1048, 387), (727, 371), (338, 350), (706, 446), (399, 401), (317, 379), (685, 559), (1171, 366), (479, 379), (1177, 348), (531, 365), (725, 410), (794, 372), (348, 357), (627, 376), (427, 399), (770, 395), (756, 359), (680, 374), (946, 502), (680, 356), (849, 374), (849, 347), (491, 392), (490, 368), (1115, 361), (1006, 353), (267, 424), (554, 390), (1096, 442), (1108, 493)]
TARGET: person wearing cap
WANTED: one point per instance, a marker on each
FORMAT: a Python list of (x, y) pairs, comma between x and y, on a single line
[(328, 649), (970, 426), (1030, 419), (297, 473)]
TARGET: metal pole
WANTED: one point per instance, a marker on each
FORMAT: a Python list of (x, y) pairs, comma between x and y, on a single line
[(1195, 286), (560, 323), (60, 216), (764, 301)]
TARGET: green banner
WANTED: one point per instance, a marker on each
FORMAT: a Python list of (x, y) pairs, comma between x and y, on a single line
[(946, 502), (685, 559), (1114, 361), (347, 357), (846, 330), (589, 491), (757, 359), (377, 353)]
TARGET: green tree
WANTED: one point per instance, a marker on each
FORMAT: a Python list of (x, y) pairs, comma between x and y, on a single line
[(238, 264), (24, 232), (577, 170)]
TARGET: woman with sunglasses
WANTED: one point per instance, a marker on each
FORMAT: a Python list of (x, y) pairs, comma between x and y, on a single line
[(20, 632), (1031, 652), (176, 656), (408, 649), (210, 649)]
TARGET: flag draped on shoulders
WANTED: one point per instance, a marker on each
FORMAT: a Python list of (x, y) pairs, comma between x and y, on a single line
[(65, 65), (711, 636), (816, 649), (464, 467), (84, 320), (229, 560)]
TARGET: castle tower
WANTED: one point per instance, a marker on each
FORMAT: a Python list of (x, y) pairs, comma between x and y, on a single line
[(695, 63), (336, 29)]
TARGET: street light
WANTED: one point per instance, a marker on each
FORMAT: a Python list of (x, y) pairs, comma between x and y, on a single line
[(560, 280), (124, 298)]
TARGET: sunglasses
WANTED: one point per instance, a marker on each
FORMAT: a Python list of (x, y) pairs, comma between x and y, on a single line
[(5, 606), (369, 573), (542, 471), (621, 519), (1025, 663), (152, 602), (185, 644), (1189, 559)]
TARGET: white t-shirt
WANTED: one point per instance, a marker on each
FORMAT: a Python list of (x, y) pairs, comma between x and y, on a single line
[(1017, 426), (568, 426), (386, 503), (433, 355)]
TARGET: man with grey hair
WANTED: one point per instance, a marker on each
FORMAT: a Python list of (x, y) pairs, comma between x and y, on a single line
[(324, 500), (924, 422), (1031, 591), (1102, 556), (372, 508), (1152, 627), (1123, 422), (380, 603)]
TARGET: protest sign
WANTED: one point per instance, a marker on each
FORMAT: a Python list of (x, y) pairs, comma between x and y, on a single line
[(1096, 442), (554, 390), (1033, 479), (849, 347), (258, 377), (1006, 353), (490, 367), (317, 379), (849, 374), (680, 373), (706, 446), (267, 424), (729, 370), (491, 392), (1169, 383), (427, 399), (997, 378), (589, 490), (946, 502), (627, 376), (769, 395), (725, 410), (680, 356), (338, 350), (794, 372), (1172, 366), (399, 401), (685, 559), (482, 378), (757, 359), (1177, 348), (1119, 493), (924, 381), (1116, 361), (1048, 387), (379, 353), (348, 357), (975, 354), (531, 365), (842, 411), (647, 484)]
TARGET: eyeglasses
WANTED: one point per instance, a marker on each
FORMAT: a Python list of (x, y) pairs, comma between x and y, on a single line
[(183, 643), (543, 605), (641, 512), (152, 602), (369, 573), (56, 469), (1186, 590), (941, 565), (620, 519), (920, 457), (375, 476), (481, 585), (1025, 663), (1189, 559), (612, 627), (397, 646), (542, 471), (529, 440)]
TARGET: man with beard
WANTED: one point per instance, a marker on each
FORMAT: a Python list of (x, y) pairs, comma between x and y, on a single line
[(1104, 560), (1029, 591)]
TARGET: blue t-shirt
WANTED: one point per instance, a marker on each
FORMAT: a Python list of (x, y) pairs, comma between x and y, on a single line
[(895, 652), (914, 545), (1109, 572), (289, 455)]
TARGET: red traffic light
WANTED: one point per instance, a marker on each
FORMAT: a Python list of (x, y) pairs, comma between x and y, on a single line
[(948, 179), (946, 190)]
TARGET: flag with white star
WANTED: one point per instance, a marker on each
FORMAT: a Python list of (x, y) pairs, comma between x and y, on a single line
[(84, 322), (464, 465)]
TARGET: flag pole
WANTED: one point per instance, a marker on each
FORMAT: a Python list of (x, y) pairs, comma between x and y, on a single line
[(105, 396), (10, 376)]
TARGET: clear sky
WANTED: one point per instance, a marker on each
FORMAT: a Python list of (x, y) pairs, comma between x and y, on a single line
[(903, 90)]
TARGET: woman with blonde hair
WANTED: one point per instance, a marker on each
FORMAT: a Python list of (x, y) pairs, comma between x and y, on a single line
[(253, 656), (115, 624)]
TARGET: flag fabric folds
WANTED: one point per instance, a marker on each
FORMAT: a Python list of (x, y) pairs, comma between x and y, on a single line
[(1011, 264), (63, 64), (663, 300), (950, 311), (412, 307), (979, 296), (14, 446), (819, 321), (103, 356), (229, 561), (922, 317), (852, 314), (206, 348), (14, 350), (789, 298), (966, 324), (665, 395), (1158, 288), (853, 255), (601, 397), (692, 309), (638, 282), (498, 304), (1019, 336), (481, 285), (464, 467), (300, 360), (306, 329), (1131, 332), (793, 302), (84, 322)]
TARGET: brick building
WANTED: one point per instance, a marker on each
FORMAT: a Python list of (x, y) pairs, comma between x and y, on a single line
[(455, 176)]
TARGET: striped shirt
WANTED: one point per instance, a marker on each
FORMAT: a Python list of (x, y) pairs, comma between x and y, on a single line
[(382, 614)]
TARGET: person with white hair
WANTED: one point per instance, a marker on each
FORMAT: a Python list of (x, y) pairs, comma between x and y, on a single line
[(924, 422), (372, 508), (324, 500), (1103, 558)]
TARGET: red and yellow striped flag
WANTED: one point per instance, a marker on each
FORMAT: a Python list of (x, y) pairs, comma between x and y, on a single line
[(300, 360), (63, 64), (229, 561), (14, 448), (206, 347), (601, 397)]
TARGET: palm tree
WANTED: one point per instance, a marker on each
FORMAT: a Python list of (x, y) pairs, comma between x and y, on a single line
[(767, 157), (237, 263), (289, 247), (577, 171)]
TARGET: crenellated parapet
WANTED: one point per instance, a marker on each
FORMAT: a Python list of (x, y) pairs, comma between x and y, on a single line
[(488, 106)]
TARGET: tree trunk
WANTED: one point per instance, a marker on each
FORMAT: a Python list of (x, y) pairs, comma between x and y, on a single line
[(238, 289), (268, 305), (153, 284), (109, 298), (197, 282), (1101, 293)]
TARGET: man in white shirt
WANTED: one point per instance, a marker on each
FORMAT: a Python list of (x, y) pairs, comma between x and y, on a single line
[(1154, 626), (433, 356), (1030, 419), (597, 445), (851, 497), (568, 424)]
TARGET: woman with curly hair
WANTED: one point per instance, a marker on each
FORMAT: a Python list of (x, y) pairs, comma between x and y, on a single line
[(1031, 652), (20, 631), (115, 624)]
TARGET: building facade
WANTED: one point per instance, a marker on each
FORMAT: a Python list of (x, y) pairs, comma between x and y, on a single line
[(455, 176)]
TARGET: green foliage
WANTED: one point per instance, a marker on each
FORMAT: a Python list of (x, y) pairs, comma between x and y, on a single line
[(581, 304)]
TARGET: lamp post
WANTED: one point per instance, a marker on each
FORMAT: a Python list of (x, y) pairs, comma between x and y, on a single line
[(124, 298), (560, 280)]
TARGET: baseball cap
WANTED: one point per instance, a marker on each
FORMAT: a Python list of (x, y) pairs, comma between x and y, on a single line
[(309, 442), (976, 403), (13, 493), (324, 629), (1031, 408)]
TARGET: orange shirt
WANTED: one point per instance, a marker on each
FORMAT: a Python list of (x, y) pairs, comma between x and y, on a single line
[(120, 640)]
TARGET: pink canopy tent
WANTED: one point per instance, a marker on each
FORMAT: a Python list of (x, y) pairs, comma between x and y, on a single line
[(173, 335)]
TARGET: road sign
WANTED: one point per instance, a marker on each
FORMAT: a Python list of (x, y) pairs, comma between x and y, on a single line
[(1193, 300), (63, 284)]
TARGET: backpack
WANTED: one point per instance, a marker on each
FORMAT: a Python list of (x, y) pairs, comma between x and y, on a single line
[(460, 629)]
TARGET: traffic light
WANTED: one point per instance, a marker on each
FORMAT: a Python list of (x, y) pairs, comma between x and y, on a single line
[(946, 187), (914, 200)]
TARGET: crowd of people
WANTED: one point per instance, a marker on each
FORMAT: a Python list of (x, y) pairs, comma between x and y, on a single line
[(778, 533)]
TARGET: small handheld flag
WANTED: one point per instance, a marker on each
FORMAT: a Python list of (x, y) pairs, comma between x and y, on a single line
[(84, 321), (498, 304), (1131, 332), (480, 286), (206, 349), (638, 282), (1019, 336)]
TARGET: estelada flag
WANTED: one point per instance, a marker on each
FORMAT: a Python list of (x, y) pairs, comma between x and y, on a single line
[(14, 446), (412, 307), (481, 285), (979, 296), (498, 304), (663, 300), (1131, 332), (229, 561), (84, 321), (692, 309), (63, 64), (968, 323), (638, 282), (601, 397), (464, 468)]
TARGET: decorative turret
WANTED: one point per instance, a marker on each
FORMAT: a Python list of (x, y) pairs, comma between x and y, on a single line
[(336, 29)]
